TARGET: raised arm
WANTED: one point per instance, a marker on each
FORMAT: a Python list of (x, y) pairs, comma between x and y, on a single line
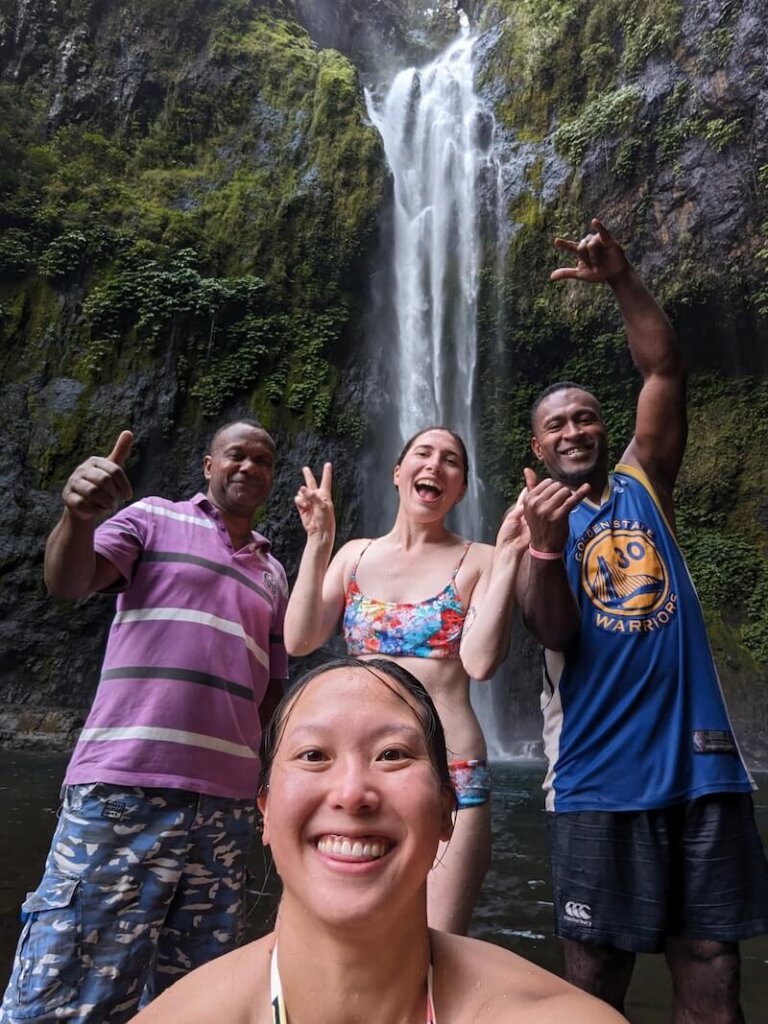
[(72, 568), (548, 605), (658, 444), (317, 598), (487, 628)]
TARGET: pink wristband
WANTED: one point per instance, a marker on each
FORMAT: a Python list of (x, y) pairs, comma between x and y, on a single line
[(545, 556)]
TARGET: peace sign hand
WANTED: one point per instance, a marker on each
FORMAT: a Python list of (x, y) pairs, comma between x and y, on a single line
[(315, 504), (599, 257)]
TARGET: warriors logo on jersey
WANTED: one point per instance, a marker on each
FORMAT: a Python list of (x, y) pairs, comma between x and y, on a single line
[(623, 573), (626, 580)]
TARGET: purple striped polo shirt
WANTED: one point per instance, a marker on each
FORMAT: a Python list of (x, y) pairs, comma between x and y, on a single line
[(197, 636)]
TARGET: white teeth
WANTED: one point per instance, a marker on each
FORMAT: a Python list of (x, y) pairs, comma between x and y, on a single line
[(368, 850)]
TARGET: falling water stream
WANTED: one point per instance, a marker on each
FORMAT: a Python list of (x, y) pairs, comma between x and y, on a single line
[(429, 125), (438, 140)]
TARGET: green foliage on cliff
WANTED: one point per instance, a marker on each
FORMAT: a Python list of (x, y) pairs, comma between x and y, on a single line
[(210, 223), (721, 503), (573, 66), (602, 117), (560, 55)]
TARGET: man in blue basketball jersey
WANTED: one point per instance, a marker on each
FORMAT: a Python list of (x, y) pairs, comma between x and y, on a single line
[(654, 845)]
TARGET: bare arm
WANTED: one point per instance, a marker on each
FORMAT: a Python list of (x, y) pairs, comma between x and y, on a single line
[(72, 568), (658, 444), (548, 605), (661, 426), (317, 598), (487, 628)]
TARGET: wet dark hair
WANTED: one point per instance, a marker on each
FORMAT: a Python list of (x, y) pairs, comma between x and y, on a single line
[(560, 385), (247, 421), (456, 437), (425, 712)]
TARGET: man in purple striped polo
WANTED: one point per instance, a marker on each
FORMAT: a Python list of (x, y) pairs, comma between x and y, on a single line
[(145, 877)]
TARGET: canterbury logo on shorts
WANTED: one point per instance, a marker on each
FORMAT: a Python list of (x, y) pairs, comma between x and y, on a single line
[(580, 913)]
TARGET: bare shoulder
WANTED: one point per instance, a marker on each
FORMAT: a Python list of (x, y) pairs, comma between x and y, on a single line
[(354, 548), (481, 982), (478, 562), (230, 988), (477, 565), (479, 556), (348, 554)]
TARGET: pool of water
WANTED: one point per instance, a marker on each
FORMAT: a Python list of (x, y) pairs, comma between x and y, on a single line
[(515, 909)]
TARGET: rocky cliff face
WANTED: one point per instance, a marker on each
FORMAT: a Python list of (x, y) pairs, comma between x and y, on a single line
[(188, 210)]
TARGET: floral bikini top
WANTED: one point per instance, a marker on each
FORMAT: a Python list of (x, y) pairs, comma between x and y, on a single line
[(429, 629)]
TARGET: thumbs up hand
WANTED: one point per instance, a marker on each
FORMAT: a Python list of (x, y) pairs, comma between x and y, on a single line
[(99, 484), (122, 448)]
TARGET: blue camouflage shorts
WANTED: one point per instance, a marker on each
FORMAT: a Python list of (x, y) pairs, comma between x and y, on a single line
[(140, 886)]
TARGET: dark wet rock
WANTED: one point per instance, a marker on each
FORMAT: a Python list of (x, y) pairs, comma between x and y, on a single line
[(44, 729)]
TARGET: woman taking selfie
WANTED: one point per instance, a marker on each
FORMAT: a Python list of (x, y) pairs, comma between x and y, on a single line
[(354, 807)]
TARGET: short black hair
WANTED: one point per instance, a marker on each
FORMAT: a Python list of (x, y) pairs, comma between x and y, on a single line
[(425, 711), (551, 389), (425, 430), (247, 421)]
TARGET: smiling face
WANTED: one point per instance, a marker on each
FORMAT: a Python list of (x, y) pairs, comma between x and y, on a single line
[(431, 474), (569, 438), (240, 469), (355, 808)]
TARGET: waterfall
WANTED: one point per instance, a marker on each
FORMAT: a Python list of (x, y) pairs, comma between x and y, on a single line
[(438, 141), (429, 122)]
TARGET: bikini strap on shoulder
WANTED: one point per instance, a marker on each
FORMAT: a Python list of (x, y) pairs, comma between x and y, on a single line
[(455, 572), (353, 574)]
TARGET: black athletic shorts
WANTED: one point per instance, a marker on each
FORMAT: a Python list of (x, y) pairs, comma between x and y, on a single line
[(628, 879)]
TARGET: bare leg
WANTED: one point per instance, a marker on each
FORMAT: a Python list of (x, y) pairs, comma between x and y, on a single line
[(603, 971), (457, 877), (706, 977)]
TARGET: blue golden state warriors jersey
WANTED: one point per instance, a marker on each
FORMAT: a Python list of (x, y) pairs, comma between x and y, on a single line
[(634, 717)]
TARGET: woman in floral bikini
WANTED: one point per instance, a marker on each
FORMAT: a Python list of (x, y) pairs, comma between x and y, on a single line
[(436, 603)]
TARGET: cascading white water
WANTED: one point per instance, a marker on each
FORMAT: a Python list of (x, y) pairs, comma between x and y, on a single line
[(439, 144), (429, 125)]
